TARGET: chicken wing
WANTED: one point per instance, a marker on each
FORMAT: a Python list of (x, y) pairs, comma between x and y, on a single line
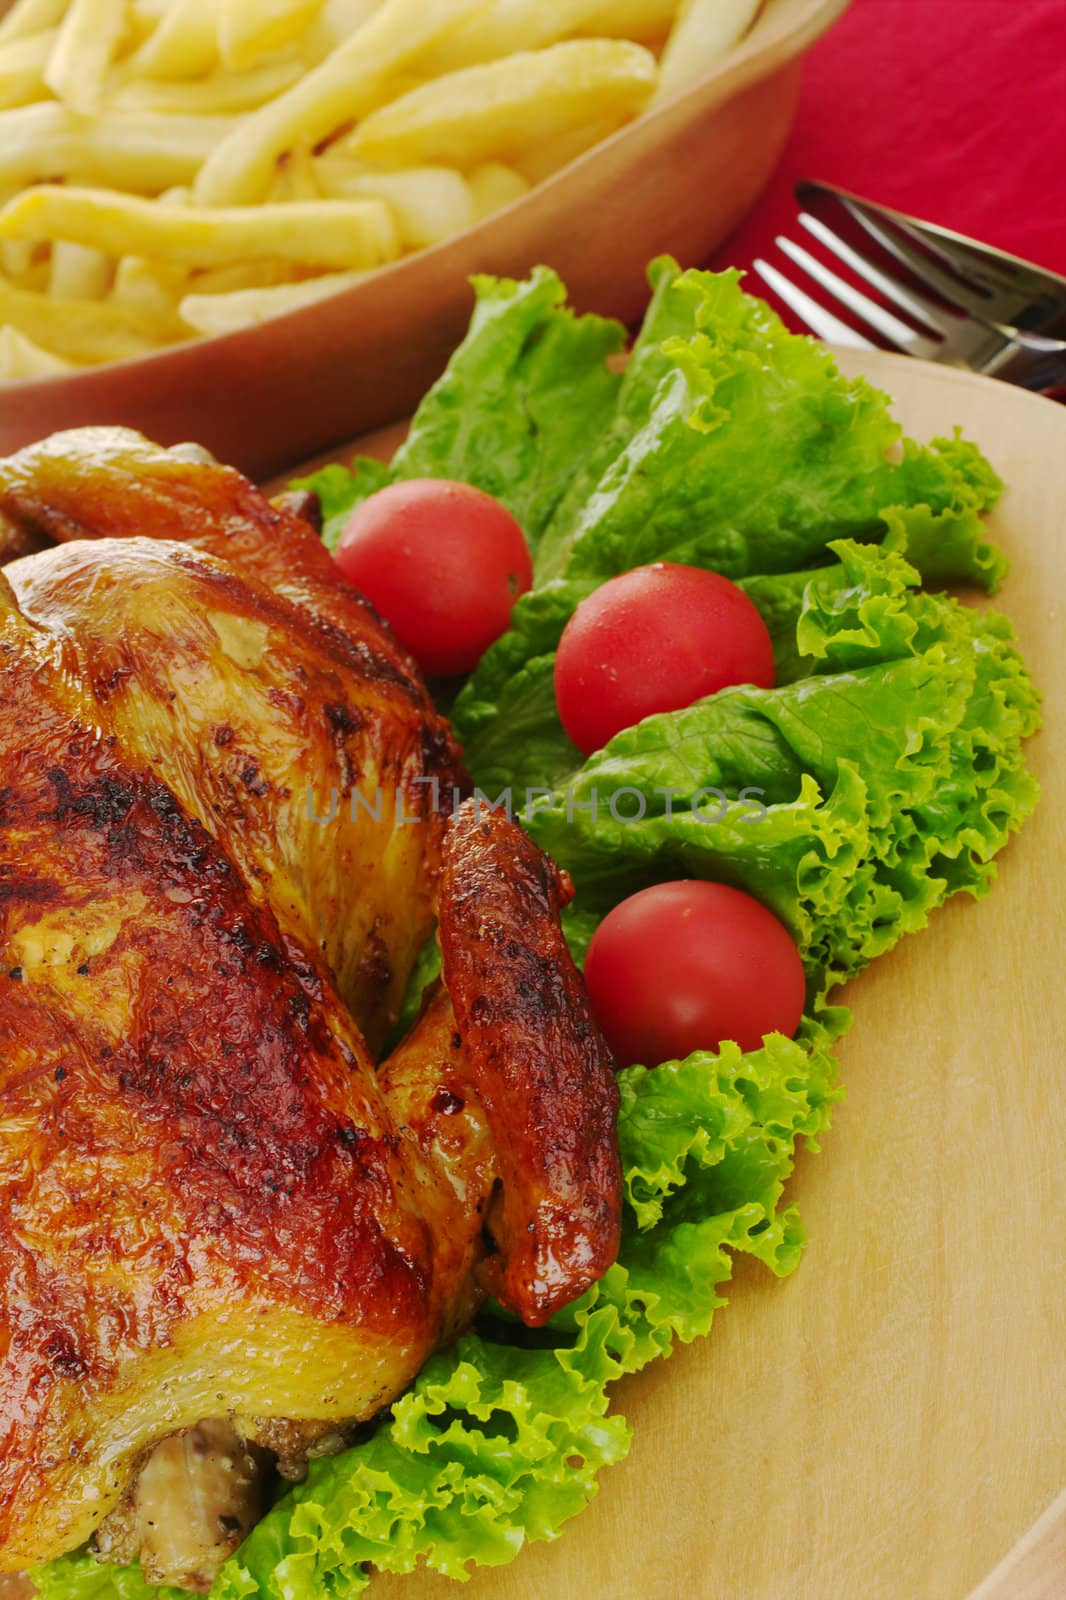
[(526, 1024)]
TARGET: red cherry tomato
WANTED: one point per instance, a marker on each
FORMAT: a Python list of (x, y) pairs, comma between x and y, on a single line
[(443, 563), (655, 639), (683, 966)]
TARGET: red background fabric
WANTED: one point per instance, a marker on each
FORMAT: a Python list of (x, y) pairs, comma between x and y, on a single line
[(953, 110)]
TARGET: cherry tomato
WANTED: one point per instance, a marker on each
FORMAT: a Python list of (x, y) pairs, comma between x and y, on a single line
[(683, 966), (655, 639), (443, 563)]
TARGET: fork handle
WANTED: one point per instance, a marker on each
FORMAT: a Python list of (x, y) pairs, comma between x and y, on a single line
[(1036, 370)]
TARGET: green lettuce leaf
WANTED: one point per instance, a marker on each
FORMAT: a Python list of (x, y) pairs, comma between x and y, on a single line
[(79, 1577), (670, 314), (505, 716), (341, 489), (529, 380), (528, 383), (887, 779), (753, 453), (727, 442)]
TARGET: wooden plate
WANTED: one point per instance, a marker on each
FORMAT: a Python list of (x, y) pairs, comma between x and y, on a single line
[(678, 179), (888, 1422)]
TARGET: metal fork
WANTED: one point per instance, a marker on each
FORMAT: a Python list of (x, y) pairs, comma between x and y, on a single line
[(966, 304)]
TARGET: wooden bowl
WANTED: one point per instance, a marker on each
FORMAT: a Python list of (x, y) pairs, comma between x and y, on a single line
[(678, 179)]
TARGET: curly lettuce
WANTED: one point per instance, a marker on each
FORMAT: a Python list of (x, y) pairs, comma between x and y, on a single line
[(727, 442), (80, 1577), (886, 779)]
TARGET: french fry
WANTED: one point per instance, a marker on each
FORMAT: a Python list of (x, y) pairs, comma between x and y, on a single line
[(240, 275), (150, 290), (239, 171), (546, 158), (82, 331), (184, 45), (223, 93), (17, 258), (139, 150), (389, 89), (510, 26), (643, 20), (249, 31), (27, 17), (22, 64), (494, 186), (704, 32), (428, 203), (35, 278), (89, 36), (77, 273), (21, 358), (147, 14), (337, 21), (315, 233), (224, 313), (500, 109), (295, 178)]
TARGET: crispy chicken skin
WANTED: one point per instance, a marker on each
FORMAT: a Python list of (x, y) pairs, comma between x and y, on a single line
[(258, 724), (212, 1204), (264, 692), (524, 1017)]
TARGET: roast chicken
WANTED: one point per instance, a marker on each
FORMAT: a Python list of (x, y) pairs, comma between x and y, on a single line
[(230, 818)]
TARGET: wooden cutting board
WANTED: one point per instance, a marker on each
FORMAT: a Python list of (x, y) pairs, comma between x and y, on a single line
[(886, 1424)]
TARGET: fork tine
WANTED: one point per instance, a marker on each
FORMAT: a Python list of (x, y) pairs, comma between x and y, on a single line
[(914, 257), (890, 287), (820, 321), (901, 334)]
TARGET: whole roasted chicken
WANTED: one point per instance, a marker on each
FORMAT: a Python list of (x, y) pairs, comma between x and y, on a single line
[(229, 816)]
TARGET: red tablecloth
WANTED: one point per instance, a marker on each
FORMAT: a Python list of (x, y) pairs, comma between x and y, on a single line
[(953, 110)]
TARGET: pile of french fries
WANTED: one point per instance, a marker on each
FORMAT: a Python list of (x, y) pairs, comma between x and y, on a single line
[(175, 168)]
